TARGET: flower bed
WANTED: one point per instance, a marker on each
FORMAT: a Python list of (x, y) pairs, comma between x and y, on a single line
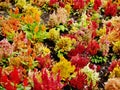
[(59, 45)]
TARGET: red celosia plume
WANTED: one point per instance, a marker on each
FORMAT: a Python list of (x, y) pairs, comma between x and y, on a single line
[(111, 9), (78, 4), (97, 4), (48, 81), (79, 82), (93, 47), (79, 61)]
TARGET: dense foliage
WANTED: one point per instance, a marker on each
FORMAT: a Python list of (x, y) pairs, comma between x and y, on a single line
[(59, 44)]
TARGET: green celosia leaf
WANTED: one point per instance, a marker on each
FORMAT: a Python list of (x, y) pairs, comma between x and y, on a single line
[(16, 15), (41, 35), (29, 35), (25, 27), (1, 88), (20, 87), (62, 28), (98, 59)]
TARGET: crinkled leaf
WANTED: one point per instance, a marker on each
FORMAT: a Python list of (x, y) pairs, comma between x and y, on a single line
[(29, 35), (1, 88), (41, 35)]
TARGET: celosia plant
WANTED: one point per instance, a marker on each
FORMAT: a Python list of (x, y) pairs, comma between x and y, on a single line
[(58, 17), (53, 20), (54, 34), (9, 27), (62, 15), (78, 4), (64, 44), (31, 14), (115, 72), (116, 47), (34, 32), (114, 64), (20, 41), (79, 61), (47, 43), (111, 9), (104, 45), (32, 10), (41, 49), (44, 62), (97, 4), (25, 61), (20, 3), (45, 80), (112, 84), (6, 48), (79, 82), (114, 69), (93, 47), (80, 49), (10, 81), (65, 68)]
